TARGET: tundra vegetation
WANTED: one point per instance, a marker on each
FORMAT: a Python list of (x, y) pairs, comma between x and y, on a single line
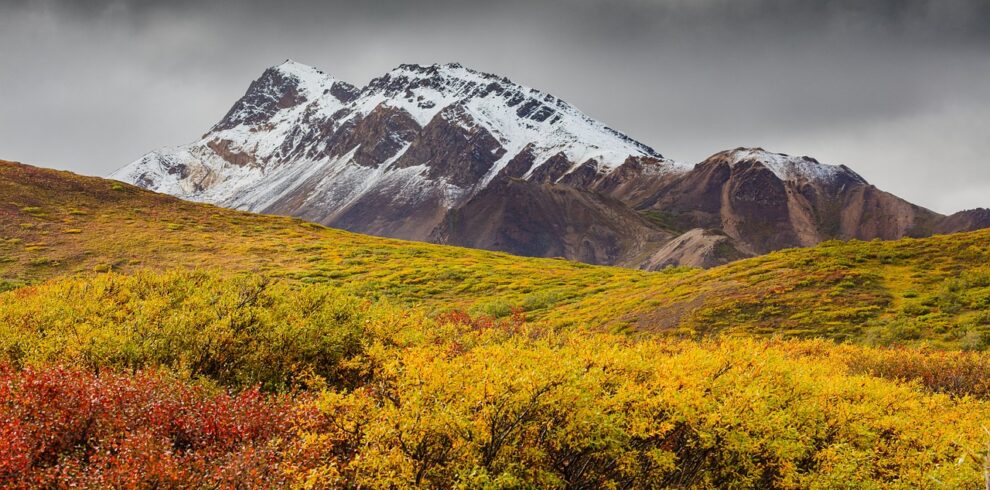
[(148, 342)]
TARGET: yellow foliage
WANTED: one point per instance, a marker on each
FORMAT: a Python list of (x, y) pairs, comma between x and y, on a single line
[(458, 401), (599, 411)]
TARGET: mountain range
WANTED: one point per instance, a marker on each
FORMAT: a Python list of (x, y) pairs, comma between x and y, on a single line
[(450, 155)]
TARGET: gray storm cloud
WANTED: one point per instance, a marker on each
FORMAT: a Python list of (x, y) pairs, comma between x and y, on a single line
[(894, 89)]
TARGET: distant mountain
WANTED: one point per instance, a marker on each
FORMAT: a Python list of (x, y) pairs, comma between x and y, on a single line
[(446, 154)]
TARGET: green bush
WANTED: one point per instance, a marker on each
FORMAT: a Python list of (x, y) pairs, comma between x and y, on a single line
[(540, 300), (497, 309)]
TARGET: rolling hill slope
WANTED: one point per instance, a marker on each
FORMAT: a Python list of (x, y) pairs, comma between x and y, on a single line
[(908, 291)]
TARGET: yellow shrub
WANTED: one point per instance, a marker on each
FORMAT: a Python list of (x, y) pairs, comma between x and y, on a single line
[(599, 411)]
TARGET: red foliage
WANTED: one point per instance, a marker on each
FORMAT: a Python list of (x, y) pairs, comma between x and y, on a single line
[(484, 322), (60, 426)]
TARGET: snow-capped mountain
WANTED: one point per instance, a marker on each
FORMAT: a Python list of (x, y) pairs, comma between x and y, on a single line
[(421, 138), (452, 155)]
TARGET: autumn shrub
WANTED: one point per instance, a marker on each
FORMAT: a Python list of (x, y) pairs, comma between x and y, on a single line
[(235, 331), (464, 401), (493, 408), (593, 411), (953, 372), (327, 390), (64, 428), (511, 323)]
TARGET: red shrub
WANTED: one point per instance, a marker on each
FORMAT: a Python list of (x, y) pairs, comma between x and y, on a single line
[(511, 324), (112, 430)]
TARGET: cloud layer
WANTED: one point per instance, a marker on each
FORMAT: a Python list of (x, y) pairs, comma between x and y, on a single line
[(894, 89)]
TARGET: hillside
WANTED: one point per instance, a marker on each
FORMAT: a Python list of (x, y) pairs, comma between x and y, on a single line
[(908, 291), (57, 223), (151, 342)]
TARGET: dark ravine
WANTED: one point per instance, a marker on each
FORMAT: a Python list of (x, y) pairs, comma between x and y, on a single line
[(449, 155)]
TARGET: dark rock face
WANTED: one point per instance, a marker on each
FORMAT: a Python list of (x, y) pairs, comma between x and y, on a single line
[(264, 97), (758, 209), (583, 176), (551, 170), (454, 149), (518, 165), (345, 92), (374, 138)]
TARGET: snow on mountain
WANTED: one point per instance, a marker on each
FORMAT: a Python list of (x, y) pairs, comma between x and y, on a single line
[(791, 168), (236, 162), (516, 115), (266, 123)]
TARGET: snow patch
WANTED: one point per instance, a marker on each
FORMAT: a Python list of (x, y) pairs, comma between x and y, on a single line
[(787, 167)]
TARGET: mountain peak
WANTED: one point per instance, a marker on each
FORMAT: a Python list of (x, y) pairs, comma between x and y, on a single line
[(288, 87), (448, 69), (431, 66), (447, 79), (514, 114), (307, 78)]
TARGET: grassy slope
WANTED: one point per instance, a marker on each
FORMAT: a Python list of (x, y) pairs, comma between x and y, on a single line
[(929, 290), (57, 223)]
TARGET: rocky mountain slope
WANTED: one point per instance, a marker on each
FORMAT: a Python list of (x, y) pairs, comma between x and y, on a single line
[(768, 201), (446, 154)]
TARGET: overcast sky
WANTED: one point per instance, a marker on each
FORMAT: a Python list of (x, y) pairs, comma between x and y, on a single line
[(897, 90)]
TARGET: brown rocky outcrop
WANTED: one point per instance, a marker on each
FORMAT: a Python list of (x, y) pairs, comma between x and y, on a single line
[(696, 248)]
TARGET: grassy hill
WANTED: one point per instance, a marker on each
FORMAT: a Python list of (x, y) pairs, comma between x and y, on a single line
[(934, 290), (147, 341)]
